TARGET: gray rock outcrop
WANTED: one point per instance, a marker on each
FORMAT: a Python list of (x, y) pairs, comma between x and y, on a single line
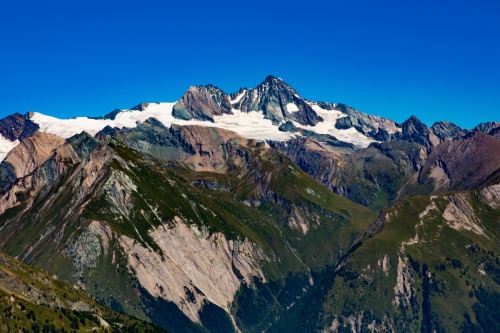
[(487, 127), (446, 130), (203, 103), (372, 126), (413, 130), (278, 101)]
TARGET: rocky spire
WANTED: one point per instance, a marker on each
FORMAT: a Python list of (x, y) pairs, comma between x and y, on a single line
[(278, 101)]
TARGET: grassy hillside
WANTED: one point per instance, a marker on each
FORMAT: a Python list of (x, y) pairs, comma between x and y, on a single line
[(31, 301), (419, 269)]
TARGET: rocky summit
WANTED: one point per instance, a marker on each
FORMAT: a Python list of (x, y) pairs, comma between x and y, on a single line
[(252, 211)]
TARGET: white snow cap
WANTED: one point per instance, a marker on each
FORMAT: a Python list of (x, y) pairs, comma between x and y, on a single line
[(251, 125), (327, 126)]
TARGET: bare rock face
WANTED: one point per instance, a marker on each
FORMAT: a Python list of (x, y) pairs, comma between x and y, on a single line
[(62, 159), (32, 152), (317, 159), (194, 267), (27, 156), (487, 127), (495, 133), (86, 249), (17, 127), (278, 101), (210, 146), (203, 103), (379, 128), (465, 163), (460, 214), (413, 130), (446, 130), (491, 195)]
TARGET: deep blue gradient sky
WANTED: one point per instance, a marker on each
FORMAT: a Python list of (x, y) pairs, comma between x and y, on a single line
[(438, 60)]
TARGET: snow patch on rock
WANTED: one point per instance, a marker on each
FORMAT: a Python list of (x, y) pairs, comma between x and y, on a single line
[(251, 125), (327, 126), (5, 146), (239, 97), (291, 107)]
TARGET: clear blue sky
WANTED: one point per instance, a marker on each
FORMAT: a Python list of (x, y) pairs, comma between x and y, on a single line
[(434, 59)]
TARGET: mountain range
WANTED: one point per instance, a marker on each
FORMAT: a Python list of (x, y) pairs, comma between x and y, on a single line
[(259, 210)]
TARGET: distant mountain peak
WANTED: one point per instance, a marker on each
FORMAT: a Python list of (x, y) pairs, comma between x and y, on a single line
[(277, 83), (414, 130), (202, 103), (275, 80), (487, 127), (271, 77), (276, 99), (414, 120), (446, 130), (279, 102)]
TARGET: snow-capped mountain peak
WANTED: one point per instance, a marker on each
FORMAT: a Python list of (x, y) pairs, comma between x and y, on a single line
[(255, 113)]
